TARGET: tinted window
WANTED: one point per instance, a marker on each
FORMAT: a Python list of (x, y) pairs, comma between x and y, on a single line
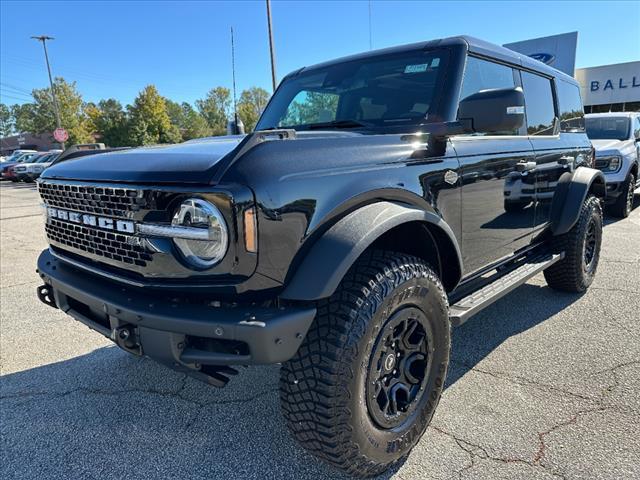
[(608, 128), (570, 103), (538, 98), (390, 90), (484, 75), (311, 107)]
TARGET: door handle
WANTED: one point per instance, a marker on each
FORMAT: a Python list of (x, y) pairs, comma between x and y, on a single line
[(524, 166)]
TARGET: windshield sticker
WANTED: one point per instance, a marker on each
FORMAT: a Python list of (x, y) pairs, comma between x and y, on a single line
[(416, 68)]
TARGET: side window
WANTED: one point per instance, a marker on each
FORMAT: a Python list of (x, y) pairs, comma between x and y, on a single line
[(311, 107), (636, 128), (484, 75), (538, 98), (570, 103)]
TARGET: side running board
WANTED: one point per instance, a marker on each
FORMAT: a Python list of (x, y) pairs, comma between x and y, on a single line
[(468, 306)]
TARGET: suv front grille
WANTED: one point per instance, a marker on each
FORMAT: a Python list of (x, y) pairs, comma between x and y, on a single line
[(104, 244), (109, 201), (114, 248)]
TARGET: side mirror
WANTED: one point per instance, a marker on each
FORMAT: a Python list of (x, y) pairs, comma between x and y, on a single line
[(495, 110)]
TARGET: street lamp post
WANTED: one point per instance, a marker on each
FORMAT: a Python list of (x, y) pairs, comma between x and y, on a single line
[(43, 39), (271, 48)]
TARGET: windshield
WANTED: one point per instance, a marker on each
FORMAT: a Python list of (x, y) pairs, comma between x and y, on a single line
[(24, 157), (607, 128), (44, 158), (390, 90)]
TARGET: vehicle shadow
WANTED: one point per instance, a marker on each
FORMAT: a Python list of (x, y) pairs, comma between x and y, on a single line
[(127, 417), (608, 219), (525, 308)]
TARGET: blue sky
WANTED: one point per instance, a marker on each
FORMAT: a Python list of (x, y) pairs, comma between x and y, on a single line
[(113, 49)]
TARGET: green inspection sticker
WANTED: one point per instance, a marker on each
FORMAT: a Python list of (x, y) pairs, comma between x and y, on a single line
[(416, 68)]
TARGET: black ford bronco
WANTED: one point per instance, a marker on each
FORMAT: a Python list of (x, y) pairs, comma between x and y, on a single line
[(383, 198)]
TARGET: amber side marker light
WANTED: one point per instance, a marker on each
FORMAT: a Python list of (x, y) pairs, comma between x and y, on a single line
[(250, 230)]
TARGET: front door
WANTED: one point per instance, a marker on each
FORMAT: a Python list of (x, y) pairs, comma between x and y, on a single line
[(497, 200), (497, 197)]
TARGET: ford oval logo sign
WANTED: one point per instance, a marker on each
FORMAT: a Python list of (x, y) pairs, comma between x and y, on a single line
[(544, 57)]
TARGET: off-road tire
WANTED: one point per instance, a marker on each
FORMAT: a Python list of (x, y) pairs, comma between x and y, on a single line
[(572, 273), (322, 388), (623, 205)]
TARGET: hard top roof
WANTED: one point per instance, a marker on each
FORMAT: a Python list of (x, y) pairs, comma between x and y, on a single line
[(474, 45)]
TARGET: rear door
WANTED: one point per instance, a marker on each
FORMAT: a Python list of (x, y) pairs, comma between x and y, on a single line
[(555, 126), (497, 217)]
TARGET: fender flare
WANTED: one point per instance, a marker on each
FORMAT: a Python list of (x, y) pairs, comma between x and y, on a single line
[(331, 256), (571, 191)]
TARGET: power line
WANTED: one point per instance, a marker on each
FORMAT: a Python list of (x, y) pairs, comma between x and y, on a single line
[(19, 89), (4, 95), (11, 92)]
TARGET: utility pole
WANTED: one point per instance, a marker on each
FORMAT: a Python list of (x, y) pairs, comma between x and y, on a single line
[(271, 49), (43, 39)]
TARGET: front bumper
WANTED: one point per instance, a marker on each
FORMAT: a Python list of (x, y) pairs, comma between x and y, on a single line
[(614, 190), (190, 337)]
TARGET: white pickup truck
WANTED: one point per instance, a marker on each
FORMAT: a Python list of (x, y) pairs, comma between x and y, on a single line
[(28, 172), (616, 138)]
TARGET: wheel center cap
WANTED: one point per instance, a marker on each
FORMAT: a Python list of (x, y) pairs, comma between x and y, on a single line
[(390, 361)]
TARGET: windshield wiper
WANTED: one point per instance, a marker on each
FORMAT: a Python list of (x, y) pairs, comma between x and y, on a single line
[(338, 124)]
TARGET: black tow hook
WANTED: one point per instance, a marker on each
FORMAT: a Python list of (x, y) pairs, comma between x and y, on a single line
[(126, 337), (45, 294)]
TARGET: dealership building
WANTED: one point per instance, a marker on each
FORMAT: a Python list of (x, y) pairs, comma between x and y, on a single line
[(610, 88)]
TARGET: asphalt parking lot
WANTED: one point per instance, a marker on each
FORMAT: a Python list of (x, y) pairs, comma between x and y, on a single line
[(542, 384)]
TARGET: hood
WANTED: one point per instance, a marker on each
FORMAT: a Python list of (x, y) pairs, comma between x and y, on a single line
[(189, 162), (605, 145)]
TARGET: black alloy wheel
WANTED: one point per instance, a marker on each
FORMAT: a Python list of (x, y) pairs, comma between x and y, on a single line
[(398, 368)]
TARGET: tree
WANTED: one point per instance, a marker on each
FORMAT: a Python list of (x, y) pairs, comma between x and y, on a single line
[(149, 120), (7, 121), (175, 112), (109, 121), (72, 115), (190, 123), (24, 117), (252, 102), (215, 109)]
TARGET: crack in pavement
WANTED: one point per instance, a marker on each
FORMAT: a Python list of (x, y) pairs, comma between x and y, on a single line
[(33, 282), (525, 382), (478, 451), (540, 454), (115, 392), (620, 290), (22, 216)]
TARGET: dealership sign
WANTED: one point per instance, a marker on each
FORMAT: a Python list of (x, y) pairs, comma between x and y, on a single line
[(610, 83), (558, 51), (594, 85)]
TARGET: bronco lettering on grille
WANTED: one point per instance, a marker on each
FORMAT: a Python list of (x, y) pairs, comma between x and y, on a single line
[(105, 223)]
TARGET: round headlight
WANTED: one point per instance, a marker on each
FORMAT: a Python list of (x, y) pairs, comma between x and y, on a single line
[(204, 240)]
